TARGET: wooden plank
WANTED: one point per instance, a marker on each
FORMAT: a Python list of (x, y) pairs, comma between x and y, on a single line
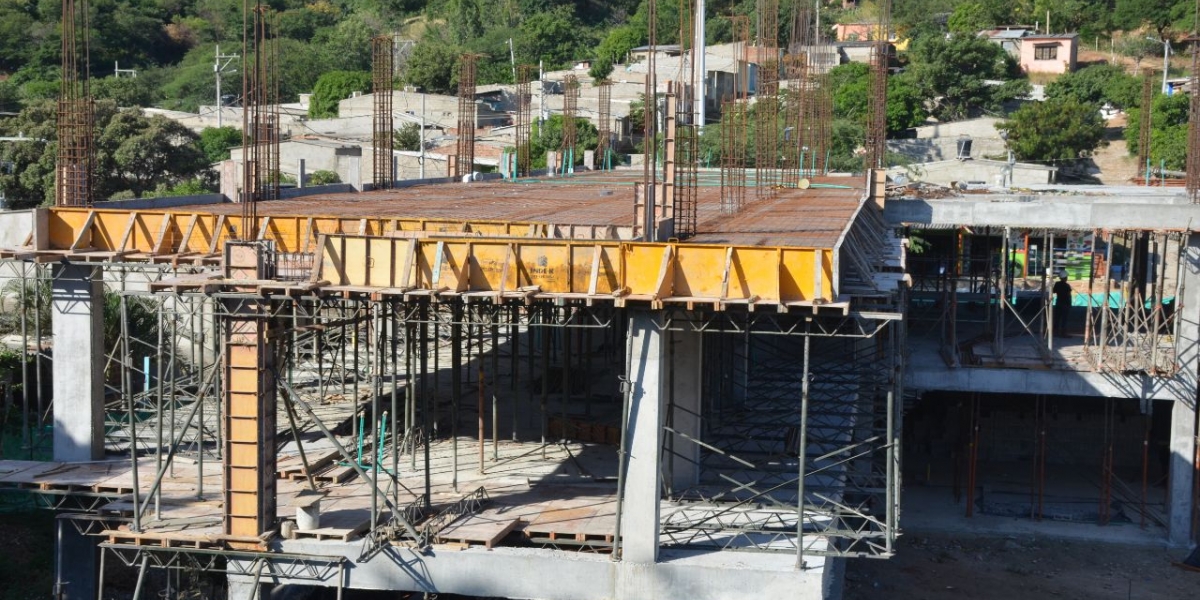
[(479, 529)]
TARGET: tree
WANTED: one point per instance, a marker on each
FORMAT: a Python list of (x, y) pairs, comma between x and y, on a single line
[(970, 18), (433, 67), (333, 87), (1057, 129), (134, 153), (547, 136), (1158, 15), (620, 40), (555, 37), (408, 137), (215, 142), (1138, 48), (139, 153), (126, 91), (1098, 84), (601, 69), (851, 82), (952, 74), (1168, 131)]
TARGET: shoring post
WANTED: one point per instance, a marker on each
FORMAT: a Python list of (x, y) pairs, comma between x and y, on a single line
[(802, 450)]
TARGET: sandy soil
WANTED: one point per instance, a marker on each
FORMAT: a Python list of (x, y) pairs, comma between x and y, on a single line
[(959, 566)]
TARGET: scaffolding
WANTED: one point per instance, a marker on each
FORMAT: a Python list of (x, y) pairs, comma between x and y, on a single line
[(75, 163), (382, 78), (464, 162)]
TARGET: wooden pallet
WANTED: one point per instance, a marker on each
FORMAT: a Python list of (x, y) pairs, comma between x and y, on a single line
[(478, 530)]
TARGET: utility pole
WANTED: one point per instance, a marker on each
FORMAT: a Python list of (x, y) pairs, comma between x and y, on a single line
[(219, 68), (512, 58)]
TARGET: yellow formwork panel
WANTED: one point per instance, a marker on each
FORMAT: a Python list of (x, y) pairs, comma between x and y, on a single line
[(192, 232), (642, 271)]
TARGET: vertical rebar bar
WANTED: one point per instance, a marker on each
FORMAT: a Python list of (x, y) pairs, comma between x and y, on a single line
[(382, 77), (465, 157)]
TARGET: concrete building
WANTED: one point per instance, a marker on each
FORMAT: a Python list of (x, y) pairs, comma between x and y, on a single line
[(1009, 39), (447, 388), (1055, 53), (942, 141)]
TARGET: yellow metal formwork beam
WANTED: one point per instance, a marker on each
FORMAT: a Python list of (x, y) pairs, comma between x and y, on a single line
[(164, 233), (593, 270)]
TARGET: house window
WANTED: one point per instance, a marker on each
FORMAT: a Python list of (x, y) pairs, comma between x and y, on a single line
[(1045, 52)]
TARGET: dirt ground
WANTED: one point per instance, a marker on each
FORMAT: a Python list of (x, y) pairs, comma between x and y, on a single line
[(960, 567)]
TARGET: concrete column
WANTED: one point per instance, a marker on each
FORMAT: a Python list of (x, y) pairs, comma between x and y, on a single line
[(241, 587), (686, 366), (551, 164), (1183, 452), (643, 478), (77, 321), (1183, 411), (76, 559), (302, 176), (589, 160)]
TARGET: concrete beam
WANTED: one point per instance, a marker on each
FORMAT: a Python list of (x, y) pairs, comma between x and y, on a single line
[(929, 373), (1100, 212), (506, 572), (77, 321)]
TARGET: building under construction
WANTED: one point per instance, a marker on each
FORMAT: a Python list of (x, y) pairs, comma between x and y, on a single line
[(598, 385)]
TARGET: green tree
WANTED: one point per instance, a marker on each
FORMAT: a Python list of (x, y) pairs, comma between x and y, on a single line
[(970, 18), (952, 74), (1138, 48), (1168, 131), (433, 67), (215, 142), (1057, 129), (547, 136), (1098, 84), (555, 37), (601, 69), (1158, 15), (408, 137), (126, 91), (139, 153), (619, 41), (134, 153), (333, 87)]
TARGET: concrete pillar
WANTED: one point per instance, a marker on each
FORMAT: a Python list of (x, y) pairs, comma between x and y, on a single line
[(302, 176), (77, 321), (647, 378), (1183, 412), (249, 390), (1183, 452), (76, 563), (589, 160), (241, 587), (686, 364), (551, 164)]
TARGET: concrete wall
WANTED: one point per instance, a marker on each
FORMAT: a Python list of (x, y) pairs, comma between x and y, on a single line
[(990, 171), (15, 226), (940, 141)]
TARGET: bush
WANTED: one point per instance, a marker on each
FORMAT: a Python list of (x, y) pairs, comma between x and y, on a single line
[(323, 177)]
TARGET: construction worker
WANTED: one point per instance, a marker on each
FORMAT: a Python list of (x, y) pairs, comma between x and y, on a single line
[(1062, 304)]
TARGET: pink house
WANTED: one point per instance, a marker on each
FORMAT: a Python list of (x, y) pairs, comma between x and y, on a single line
[(1056, 53)]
